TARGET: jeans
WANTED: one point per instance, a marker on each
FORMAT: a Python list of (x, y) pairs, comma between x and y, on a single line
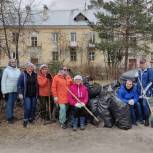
[(10, 102), (136, 113), (145, 108), (78, 114), (62, 113), (29, 108)]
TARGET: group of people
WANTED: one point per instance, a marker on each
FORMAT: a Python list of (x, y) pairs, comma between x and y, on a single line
[(64, 92), (136, 95), (30, 86)]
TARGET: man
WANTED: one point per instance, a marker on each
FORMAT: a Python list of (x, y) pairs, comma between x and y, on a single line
[(128, 94), (9, 88), (144, 83), (60, 83)]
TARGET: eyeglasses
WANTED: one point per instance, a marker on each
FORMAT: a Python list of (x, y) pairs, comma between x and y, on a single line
[(65, 69)]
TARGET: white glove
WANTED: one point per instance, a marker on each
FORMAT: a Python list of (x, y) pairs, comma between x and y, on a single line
[(20, 96), (55, 99), (78, 105), (82, 104), (131, 102)]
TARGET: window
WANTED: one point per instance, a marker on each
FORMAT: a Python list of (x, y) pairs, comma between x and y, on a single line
[(55, 56), (34, 60), (91, 56), (92, 37), (13, 55), (55, 37), (80, 17), (33, 41), (73, 37), (15, 36), (73, 55)]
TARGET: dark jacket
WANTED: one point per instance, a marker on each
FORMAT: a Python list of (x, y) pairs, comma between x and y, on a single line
[(23, 82)]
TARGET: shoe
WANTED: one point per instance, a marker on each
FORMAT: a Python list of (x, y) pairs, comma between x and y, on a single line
[(141, 122), (74, 128), (146, 123), (10, 121), (25, 123), (82, 127), (63, 126)]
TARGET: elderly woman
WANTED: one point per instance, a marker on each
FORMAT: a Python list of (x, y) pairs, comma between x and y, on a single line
[(28, 90), (78, 111), (44, 83), (9, 88)]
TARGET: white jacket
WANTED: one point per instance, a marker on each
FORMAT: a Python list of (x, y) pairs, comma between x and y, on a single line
[(9, 80)]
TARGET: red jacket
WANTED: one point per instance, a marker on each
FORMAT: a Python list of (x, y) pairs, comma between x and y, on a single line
[(80, 91)]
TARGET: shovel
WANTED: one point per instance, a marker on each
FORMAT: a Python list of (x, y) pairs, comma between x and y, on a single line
[(97, 121)]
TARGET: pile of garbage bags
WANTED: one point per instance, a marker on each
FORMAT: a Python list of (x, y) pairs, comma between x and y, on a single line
[(105, 105)]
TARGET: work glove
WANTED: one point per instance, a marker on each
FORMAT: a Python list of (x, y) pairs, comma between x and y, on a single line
[(131, 102), (20, 96), (82, 104), (55, 99), (78, 105), (49, 76)]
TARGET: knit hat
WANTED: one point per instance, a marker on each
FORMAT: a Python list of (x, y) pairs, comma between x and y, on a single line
[(43, 66), (29, 64), (78, 77)]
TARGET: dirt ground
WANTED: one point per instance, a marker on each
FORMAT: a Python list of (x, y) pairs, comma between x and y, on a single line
[(38, 138)]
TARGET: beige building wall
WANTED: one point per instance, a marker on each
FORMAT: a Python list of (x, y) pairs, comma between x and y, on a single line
[(45, 45)]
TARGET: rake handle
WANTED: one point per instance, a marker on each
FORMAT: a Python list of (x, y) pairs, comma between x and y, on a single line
[(83, 105)]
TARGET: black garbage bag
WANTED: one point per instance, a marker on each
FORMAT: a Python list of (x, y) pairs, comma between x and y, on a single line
[(104, 113), (94, 90), (120, 112)]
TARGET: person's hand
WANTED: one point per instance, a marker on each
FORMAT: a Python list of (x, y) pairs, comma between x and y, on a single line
[(78, 105), (55, 99), (49, 76), (20, 96), (3, 95), (82, 104), (131, 102)]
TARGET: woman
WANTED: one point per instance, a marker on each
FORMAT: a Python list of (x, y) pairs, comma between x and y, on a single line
[(78, 111), (44, 83), (28, 90), (60, 83)]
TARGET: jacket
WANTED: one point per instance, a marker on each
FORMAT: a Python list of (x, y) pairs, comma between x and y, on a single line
[(145, 76), (22, 83), (59, 88), (80, 91), (125, 95), (9, 80), (44, 85)]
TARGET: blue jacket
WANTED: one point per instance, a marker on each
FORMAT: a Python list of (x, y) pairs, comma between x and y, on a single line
[(22, 84), (145, 76), (125, 95)]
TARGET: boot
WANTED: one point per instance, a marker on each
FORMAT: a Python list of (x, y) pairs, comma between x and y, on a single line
[(146, 122), (75, 123), (82, 123)]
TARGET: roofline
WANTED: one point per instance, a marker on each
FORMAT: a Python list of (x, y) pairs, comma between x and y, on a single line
[(50, 26)]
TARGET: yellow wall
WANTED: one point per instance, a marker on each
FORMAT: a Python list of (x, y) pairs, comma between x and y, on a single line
[(45, 45)]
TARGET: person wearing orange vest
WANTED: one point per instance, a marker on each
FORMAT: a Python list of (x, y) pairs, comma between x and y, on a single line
[(60, 83)]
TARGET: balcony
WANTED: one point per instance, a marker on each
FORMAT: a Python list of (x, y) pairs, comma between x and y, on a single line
[(73, 44), (91, 45)]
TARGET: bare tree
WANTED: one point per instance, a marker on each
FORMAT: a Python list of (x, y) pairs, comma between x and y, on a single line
[(14, 15)]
